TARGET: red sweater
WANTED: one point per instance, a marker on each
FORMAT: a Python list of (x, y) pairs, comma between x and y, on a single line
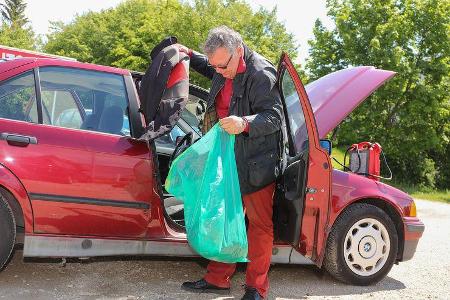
[(223, 98)]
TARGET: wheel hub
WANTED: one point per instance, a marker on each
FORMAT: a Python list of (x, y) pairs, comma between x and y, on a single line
[(366, 246)]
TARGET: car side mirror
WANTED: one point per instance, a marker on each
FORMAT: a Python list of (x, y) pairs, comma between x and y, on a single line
[(187, 138), (326, 145), (178, 139), (201, 108)]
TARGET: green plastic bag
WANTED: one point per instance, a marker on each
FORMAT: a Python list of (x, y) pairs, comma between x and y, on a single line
[(205, 178)]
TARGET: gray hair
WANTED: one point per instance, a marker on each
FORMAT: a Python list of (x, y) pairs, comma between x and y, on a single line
[(222, 37)]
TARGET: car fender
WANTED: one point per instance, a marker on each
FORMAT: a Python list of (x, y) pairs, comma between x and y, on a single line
[(13, 185), (349, 188)]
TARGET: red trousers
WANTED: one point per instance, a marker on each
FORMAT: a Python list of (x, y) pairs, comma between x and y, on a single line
[(258, 208)]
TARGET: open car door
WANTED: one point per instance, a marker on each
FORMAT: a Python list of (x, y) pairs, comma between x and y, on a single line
[(301, 205)]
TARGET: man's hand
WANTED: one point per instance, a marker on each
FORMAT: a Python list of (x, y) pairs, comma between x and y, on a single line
[(233, 124), (183, 48)]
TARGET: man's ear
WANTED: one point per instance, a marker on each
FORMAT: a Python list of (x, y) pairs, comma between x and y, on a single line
[(240, 51)]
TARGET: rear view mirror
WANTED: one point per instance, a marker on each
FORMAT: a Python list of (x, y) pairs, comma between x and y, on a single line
[(326, 145)]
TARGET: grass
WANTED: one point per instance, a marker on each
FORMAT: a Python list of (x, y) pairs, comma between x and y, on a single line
[(424, 192), (337, 153), (415, 191)]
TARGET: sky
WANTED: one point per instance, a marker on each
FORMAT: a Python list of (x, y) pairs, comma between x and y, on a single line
[(297, 16)]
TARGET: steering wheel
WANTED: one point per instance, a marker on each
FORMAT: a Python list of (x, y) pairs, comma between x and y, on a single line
[(181, 145)]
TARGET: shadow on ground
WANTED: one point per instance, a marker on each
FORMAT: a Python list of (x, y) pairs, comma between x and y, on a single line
[(161, 277), (307, 281)]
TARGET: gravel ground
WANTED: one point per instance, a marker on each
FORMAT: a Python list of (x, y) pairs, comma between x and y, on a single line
[(426, 276)]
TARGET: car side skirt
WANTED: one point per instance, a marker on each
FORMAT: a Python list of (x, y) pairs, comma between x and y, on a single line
[(51, 246)]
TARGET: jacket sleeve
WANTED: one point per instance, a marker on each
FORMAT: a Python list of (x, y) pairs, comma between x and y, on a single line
[(199, 62), (265, 103)]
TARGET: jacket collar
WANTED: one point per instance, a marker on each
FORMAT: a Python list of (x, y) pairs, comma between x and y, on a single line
[(248, 59), (241, 78)]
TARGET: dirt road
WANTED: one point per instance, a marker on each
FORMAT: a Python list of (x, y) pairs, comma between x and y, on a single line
[(426, 276)]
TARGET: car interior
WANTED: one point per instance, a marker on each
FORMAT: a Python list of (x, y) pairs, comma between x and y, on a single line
[(170, 145)]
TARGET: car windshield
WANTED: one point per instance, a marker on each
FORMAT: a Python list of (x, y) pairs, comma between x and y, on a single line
[(192, 113), (192, 120), (190, 116)]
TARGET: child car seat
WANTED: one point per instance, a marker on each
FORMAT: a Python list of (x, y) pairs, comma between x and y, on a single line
[(164, 89)]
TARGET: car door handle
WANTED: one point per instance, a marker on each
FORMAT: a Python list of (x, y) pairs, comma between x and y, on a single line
[(17, 139)]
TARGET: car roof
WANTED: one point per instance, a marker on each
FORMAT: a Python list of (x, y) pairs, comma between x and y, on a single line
[(19, 62), (6, 65)]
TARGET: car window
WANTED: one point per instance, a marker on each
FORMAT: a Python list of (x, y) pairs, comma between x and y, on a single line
[(169, 139), (83, 99), (295, 115), (191, 115), (191, 119), (17, 98), (60, 109)]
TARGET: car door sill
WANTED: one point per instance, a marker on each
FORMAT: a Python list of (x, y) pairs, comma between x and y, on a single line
[(58, 246)]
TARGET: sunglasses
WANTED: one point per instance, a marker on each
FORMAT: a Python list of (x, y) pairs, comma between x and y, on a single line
[(223, 67)]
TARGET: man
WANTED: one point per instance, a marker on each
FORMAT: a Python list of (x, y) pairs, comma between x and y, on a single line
[(245, 100)]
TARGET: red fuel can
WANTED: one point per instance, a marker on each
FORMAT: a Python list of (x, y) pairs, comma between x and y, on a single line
[(365, 159)]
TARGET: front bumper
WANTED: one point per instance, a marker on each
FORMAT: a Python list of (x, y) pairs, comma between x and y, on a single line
[(414, 229)]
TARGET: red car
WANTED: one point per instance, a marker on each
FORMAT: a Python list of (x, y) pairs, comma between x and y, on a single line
[(76, 181)]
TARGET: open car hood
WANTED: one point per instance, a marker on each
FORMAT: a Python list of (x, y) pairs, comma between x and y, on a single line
[(334, 96)]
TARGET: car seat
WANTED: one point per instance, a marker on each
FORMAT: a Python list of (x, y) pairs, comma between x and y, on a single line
[(91, 122), (111, 120), (174, 208), (164, 89)]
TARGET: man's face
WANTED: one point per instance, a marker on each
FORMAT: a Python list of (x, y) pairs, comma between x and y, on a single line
[(224, 62)]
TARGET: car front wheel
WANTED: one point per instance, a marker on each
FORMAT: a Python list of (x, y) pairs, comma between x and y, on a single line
[(362, 245), (7, 231)]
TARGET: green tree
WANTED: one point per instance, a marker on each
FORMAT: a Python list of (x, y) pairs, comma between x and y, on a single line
[(410, 115), (13, 12), (16, 37), (14, 28), (124, 36)]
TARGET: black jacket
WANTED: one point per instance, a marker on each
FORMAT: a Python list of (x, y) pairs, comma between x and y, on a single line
[(255, 96)]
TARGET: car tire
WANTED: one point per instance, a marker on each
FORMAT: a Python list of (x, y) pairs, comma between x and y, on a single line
[(362, 245), (7, 232)]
